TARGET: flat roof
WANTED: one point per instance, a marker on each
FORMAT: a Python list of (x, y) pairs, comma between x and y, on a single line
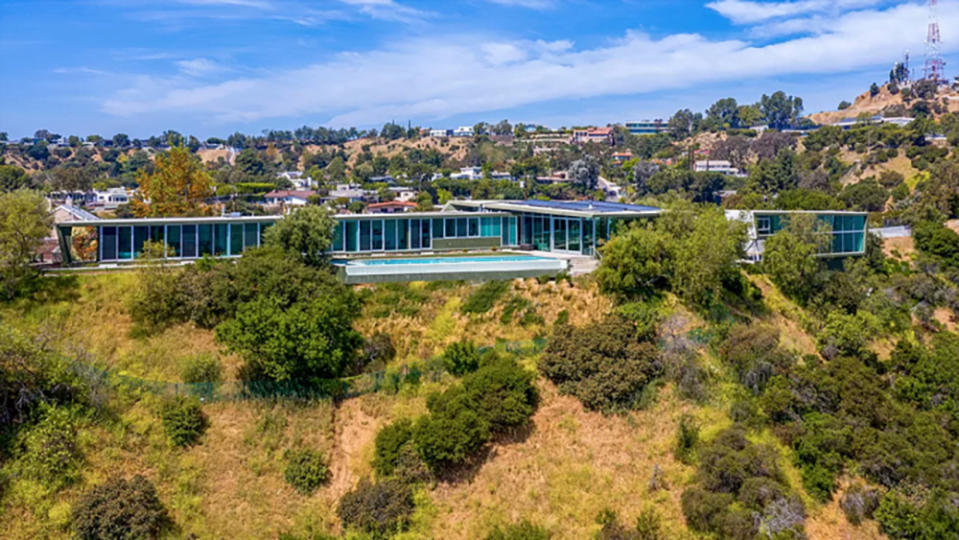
[(566, 208), (256, 219), (817, 212)]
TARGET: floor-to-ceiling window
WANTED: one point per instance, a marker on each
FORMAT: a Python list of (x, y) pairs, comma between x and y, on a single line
[(124, 242), (236, 238), (108, 243), (173, 245)]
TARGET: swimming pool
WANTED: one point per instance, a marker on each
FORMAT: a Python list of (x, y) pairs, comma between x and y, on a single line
[(442, 260), (468, 267)]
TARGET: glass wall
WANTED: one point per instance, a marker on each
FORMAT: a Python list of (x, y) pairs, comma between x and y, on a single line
[(848, 231), (182, 241), (399, 234)]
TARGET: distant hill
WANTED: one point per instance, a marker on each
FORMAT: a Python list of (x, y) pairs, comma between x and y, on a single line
[(887, 104)]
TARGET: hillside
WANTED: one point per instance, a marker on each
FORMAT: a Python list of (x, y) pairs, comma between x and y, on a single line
[(868, 104), (567, 466)]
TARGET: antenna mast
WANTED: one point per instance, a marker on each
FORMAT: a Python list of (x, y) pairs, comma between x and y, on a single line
[(934, 63)]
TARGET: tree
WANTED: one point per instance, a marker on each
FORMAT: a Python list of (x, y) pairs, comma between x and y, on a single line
[(642, 172), (636, 263), (179, 186), (424, 201), (866, 195), (780, 110), (683, 124), (120, 509), (392, 131), (24, 223), (310, 339), (723, 114), (502, 128), (121, 140), (71, 178), (873, 90), (790, 256), (843, 105), (585, 172), (13, 178), (749, 115), (337, 169), (306, 232)]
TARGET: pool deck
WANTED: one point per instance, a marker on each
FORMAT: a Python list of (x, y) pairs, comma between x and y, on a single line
[(472, 270)]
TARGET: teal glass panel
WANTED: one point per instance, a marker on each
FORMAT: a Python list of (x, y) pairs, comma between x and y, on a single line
[(205, 239), (504, 239), (415, 234), (236, 238), (125, 242), (837, 243), (559, 235), (189, 241), (587, 225), (437, 227), (403, 234), (251, 235), (450, 228), (377, 234), (338, 237), (174, 247), (426, 239), (140, 233), (461, 228), (156, 234), (365, 235), (573, 241), (474, 227), (390, 240), (108, 243), (512, 231), (351, 234), (219, 239), (496, 227)]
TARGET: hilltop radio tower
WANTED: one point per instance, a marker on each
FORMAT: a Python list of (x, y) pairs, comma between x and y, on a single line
[(935, 65)]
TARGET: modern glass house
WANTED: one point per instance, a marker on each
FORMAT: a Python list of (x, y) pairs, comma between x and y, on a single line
[(847, 230), (567, 227)]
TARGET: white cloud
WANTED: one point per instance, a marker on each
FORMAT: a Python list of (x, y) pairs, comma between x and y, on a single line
[(388, 10), (444, 76), (81, 70), (198, 67), (749, 12)]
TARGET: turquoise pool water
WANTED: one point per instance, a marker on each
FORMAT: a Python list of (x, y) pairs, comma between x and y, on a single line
[(439, 260)]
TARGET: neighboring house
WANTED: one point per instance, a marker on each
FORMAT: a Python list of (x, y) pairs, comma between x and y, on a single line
[(717, 165), (463, 131), (299, 180), (385, 179), (284, 197), (390, 207), (440, 133), (499, 175), (111, 198), (350, 192), (468, 173), (403, 194), (647, 127), (847, 230), (620, 157), (50, 250), (593, 135)]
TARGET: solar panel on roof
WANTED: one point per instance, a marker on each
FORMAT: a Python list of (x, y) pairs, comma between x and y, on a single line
[(596, 206)]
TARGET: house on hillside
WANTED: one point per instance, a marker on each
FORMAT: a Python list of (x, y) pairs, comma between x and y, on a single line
[(403, 193), (720, 166), (593, 135), (283, 197), (440, 133), (391, 207), (111, 198), (299, 179), (621, 157), (647, 127), (463, 131)]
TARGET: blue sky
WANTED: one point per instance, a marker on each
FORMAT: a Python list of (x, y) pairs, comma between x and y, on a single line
[(211, 67)]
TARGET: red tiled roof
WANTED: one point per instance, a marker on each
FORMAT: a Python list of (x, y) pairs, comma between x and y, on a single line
[(388, 204)]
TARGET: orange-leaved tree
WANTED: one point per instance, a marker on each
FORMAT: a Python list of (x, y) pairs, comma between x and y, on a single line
[(179, 186)]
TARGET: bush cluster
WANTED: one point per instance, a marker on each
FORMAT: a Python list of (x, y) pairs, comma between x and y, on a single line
[(305, 470), (48, 451), (741, 492), (183, 420), (202, 368), (604, 365), (497, 397), (378, 351), (461, 358), (379, 509), (648, 526), (120, 510)]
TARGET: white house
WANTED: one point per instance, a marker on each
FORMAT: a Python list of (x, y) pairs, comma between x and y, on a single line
[(721, 166), (111, 198), (288, 197), (439, 133), (403, 194), (299, 180), (463, 131), (468, 173)]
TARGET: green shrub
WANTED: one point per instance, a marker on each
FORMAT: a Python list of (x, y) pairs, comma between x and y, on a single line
[(485, 296), (48, 451), (649, 526), (503, 393), (183, 421), (201, 368), (604, 365), (305, 470), (461, 358), (389, 442), (120, 509), (687, 438), (562, 317), (523, 530), (937, 517), (379, 509), (453, 430), (513, 306), (531, 317)]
